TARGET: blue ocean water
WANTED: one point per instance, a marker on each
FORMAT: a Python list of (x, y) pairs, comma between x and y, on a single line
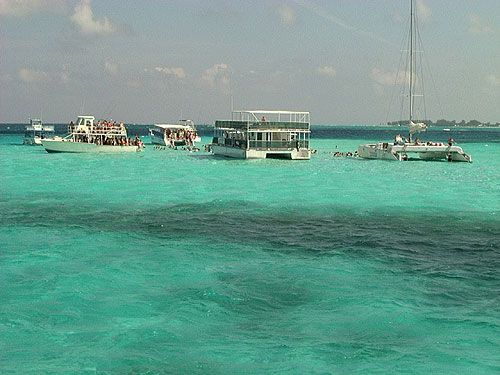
[(169, 262)]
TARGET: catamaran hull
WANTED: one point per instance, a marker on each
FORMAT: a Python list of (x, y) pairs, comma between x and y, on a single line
[(388, 151), (372, 152), (239, 153), (82, 147)]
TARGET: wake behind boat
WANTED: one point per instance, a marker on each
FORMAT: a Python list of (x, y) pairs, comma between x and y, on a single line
[(402, 149), (87, 136)]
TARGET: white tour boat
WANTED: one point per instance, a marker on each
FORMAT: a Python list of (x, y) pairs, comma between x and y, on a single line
[(174, 134), (263, 134), (403, 149), (87, 136), (36, 131)]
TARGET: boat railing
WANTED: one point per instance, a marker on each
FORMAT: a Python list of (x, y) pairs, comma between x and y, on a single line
[(265, 145), (262, 125), (98, 130), (278, 144)]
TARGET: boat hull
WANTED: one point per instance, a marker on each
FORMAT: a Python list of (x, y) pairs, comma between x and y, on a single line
[(241, 153), (82, 147), (36, 141), (158, 139), (373, 152)]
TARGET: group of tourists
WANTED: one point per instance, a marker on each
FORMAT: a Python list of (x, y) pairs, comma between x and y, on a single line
[(398, 140), (173, 136), (186, 148), (101, 140), (120, 141), (345, 154), (100, 127)]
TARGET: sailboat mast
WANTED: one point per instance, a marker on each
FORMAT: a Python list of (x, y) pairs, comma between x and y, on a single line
[(411, 60)]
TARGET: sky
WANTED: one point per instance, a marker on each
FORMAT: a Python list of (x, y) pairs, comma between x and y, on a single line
[(159, 60)]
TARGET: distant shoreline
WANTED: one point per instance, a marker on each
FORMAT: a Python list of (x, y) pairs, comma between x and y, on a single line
[(143, 129)]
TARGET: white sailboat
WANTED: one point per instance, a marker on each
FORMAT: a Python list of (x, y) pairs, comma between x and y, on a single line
[(401, 149)]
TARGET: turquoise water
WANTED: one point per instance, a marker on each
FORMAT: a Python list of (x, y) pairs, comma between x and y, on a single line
[(166, 262)]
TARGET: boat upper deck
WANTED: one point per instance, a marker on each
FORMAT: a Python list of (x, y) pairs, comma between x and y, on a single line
[(85, 125), (261, 120)]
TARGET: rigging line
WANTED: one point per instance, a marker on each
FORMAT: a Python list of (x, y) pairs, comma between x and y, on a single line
[(407, 73), (422, 80), (428, 66), (422, 60), (111, 109), (435, 87), (397, 76), (107, 112), (412, 19), (420, 50)]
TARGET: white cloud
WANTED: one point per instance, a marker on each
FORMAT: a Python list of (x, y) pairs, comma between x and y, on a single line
[(287, 15), (388, 78), (493, 80), (217, 76), (329, 71), (177, 72), (479, 26), (83, 17), (33, 76), (111, 67), (20, 8), (424, 10)]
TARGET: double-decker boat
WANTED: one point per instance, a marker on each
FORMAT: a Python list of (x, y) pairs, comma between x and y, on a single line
[(263, 134), (87, 136), (36, 131), (174, 134)]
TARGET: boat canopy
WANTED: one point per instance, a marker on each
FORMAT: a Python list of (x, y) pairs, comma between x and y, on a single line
[(273, 116), (85, 120), (174, 126)]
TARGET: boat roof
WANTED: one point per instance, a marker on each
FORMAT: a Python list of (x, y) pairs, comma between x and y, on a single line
[(173, 126), (39, 127), (86, 117), (262, 115), (276, 112)]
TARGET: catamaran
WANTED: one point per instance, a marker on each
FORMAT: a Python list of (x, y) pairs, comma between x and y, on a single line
[(263, 134), (36, 131), (402, 149), (87, 136)]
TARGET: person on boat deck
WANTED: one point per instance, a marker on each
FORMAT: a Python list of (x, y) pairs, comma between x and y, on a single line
[(417, 141), (398, 140), (263, 119), (450, 141)]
